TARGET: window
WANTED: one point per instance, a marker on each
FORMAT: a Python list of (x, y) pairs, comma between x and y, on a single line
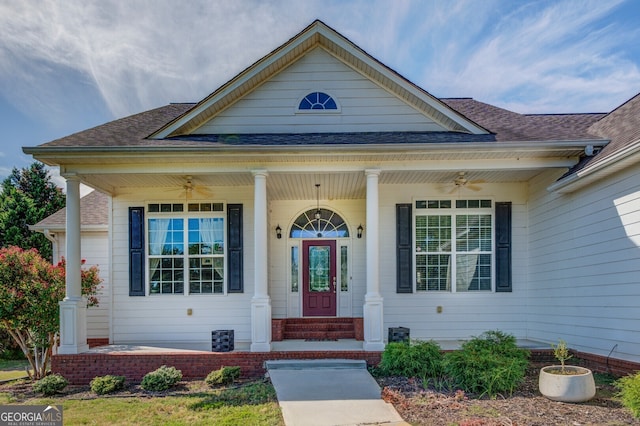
[(317, 101), (319, 223), (453, 245), (186, 249)]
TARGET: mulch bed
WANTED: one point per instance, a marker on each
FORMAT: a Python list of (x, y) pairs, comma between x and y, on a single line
[(526, 406)]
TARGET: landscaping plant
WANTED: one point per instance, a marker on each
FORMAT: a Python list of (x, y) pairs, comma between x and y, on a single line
[(30, 289), (412, 359), (629, 394), (223, 376), (487, 365), (107, 384), (50, 385), (161, 379), (562, 354)]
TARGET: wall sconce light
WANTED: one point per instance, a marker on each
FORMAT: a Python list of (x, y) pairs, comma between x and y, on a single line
[(278, 231), (360, 229)]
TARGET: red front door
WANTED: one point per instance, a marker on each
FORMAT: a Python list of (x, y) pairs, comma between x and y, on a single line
[(319, 278)]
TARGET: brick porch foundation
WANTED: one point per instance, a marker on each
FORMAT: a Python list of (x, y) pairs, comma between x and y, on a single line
[(80, 369)]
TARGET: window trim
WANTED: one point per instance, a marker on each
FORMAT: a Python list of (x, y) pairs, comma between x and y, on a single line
[(337, 110), (453, 212), (185, 215)]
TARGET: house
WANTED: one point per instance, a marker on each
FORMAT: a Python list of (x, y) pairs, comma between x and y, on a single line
[(319, 183), (94, 231)]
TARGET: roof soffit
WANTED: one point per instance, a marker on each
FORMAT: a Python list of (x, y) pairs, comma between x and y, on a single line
[(315, 35)]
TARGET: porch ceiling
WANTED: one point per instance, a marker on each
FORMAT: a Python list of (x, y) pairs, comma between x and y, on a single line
[(296, 185)]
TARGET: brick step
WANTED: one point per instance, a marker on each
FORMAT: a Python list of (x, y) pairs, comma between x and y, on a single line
[(319, 327), (320, 320), (319, 335)]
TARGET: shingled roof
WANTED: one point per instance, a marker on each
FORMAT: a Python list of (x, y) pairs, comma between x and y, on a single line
[(94, 212), (505, 126), (511, 126)]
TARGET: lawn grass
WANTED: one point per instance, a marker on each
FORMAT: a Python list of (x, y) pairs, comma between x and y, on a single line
[(13, 369), (254, 403)]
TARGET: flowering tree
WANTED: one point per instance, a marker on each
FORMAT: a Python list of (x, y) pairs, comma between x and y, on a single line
[(30, 289)]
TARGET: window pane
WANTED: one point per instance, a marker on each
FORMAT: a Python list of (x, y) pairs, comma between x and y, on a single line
[(473, 272), (294, 269), (344, 269)]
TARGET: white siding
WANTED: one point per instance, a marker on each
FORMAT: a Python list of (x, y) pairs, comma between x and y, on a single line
[(365, 107), (95, 251), (585, 266), (162, 319), (463, 314)]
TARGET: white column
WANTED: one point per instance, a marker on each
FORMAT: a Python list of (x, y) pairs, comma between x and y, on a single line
[(373, 309), (261, 302), (73, 309)]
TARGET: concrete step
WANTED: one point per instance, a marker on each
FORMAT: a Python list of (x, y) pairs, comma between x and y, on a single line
[(293, 364)]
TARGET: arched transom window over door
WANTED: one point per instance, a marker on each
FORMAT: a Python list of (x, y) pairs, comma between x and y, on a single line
[(319, 223)]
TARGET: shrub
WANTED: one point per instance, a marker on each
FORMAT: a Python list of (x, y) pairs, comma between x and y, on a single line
[(487, 365), (414, 359), (107, 384), (161, 379), (630, 393), (223, 376), (50, 385)]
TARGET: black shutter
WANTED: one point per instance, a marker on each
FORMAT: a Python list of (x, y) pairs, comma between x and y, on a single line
[(404, 256), (136, 251), (503, 247), (235, 283)]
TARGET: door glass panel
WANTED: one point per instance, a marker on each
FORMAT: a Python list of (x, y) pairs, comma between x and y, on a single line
[(294, 269), (344, 269), (319, 269)]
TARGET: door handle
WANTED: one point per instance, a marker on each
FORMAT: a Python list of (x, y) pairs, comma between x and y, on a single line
[(334, 284)]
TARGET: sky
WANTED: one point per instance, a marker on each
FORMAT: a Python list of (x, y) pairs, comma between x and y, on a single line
[(69, 65)]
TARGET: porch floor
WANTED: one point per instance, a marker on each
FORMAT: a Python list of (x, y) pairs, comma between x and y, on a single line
[(294, 345)]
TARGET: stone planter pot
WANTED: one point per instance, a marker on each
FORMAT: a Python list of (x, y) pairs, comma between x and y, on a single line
[(576, 386)]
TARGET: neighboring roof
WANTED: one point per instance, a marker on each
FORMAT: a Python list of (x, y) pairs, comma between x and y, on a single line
[(94, 213)]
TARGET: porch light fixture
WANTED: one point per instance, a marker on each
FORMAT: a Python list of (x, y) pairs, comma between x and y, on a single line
[(318, 214), (278, 232), (360, 229)]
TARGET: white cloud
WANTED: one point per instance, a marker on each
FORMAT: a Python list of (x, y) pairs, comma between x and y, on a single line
[(135, 55)]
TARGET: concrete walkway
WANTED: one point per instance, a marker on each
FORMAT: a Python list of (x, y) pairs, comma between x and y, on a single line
[(329, 393)]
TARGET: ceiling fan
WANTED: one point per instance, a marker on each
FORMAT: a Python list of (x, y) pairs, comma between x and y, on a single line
[(461, 181), (189, 188)]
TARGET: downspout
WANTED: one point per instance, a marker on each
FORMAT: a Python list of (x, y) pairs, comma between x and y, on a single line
[(54, 243)]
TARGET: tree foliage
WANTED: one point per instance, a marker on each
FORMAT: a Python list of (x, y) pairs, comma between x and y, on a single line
[(30, 289), (28, 196)]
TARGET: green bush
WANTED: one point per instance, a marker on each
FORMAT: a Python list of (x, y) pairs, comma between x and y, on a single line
[(50, 385), (107, 384), (161, 379), (487, 365), (223, 376), (414, 359), (630, 393)]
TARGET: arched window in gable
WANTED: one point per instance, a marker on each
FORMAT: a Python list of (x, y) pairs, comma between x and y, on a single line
[(319, 223), (317, 101)]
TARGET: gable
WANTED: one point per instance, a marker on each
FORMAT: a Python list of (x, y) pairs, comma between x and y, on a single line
[(315, 35), (364, 106)]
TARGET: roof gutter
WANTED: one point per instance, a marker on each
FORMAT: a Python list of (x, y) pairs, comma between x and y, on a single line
[(320, 148), (599, 170)]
